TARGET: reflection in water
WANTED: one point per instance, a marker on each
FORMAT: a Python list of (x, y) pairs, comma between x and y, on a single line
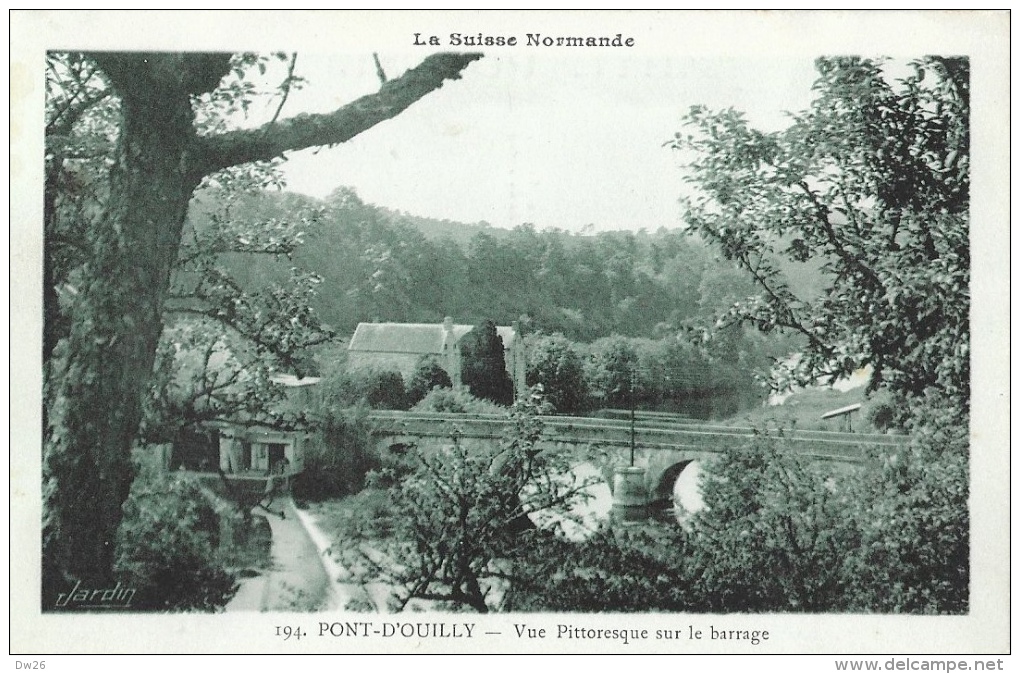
[(713, 406), (589, 512), (687, 492)]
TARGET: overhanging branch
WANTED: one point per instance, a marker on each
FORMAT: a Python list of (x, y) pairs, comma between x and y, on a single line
[(214, 153)]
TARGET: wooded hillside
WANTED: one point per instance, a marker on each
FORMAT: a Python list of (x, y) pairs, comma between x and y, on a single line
[(377, 264)]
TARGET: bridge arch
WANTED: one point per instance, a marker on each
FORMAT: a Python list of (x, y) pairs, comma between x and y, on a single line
[(662, 489)]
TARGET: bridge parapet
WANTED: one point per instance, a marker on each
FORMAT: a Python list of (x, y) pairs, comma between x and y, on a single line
[(663, 450), (648, 435)]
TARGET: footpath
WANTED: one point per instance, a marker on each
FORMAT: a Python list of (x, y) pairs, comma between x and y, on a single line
[(297, 580)]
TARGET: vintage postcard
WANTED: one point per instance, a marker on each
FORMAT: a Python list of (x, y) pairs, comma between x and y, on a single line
[(623, 332)]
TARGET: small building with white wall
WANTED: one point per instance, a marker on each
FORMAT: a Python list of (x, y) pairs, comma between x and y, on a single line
[(256, 449)]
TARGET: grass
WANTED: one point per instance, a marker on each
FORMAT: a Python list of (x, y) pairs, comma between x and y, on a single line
[(360, 515)]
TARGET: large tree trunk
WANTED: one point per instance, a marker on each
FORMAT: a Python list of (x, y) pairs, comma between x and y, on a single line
[(107, 360), (98, 375)]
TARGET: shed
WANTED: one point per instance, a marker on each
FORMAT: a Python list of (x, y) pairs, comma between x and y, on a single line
[(843, 414)]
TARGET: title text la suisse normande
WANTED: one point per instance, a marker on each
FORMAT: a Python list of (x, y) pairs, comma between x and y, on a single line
[(530, 40)]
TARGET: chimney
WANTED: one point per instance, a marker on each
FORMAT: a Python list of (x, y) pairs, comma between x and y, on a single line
[(448, 324)]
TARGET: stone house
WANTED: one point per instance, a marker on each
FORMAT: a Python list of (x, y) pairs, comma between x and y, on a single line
[(400, 346)]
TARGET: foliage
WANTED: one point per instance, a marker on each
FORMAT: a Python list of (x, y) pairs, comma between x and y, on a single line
[(168, 547), (364, 515), (884, 413), (373, 386), (464, 513), (205, 373), (338, 458), (681, 373), (402, 268), (778, 534), (428, 375), (483, 365), (612, 372), (773, 535), (555, 364), (873, 183), (781, 535), (456, 401), (269, 327), (635, 570), (891, 536), (914, 549)]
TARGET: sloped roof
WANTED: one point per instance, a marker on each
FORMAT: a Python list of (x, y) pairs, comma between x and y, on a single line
[(398, 338), (412, 338)]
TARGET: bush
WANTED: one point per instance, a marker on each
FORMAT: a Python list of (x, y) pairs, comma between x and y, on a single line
[(633, 570), (428, 375), (379, 389), (456, 401), (893, 536), (914, 551), (168, 545), (773, 534), (881, 415), (338, 459)]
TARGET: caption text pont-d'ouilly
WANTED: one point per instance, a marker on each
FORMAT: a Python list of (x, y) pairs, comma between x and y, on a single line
[(528, 40)]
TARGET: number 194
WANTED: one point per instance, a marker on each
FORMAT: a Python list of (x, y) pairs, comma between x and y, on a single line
[(286, 631)]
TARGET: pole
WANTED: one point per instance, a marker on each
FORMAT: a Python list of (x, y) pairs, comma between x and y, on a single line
[(632, 418)]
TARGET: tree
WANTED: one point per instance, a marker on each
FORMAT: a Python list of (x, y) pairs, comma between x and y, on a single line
[(872, 181), (555, 364), (222, 344), (336, 463), (773, 536), (371, 385), (612, 371), (483, 365), (457, 522), (99, 354), (428, 375)]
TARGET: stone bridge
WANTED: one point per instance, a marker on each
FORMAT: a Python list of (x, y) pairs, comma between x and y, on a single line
[(662, 448)]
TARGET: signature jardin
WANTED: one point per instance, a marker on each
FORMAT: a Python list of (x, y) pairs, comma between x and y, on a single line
[(79, 597)]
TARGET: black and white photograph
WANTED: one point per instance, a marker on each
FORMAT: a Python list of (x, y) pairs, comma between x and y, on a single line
[(510, 332)]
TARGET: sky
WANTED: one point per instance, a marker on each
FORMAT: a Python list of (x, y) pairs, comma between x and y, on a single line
[(569, 142)]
